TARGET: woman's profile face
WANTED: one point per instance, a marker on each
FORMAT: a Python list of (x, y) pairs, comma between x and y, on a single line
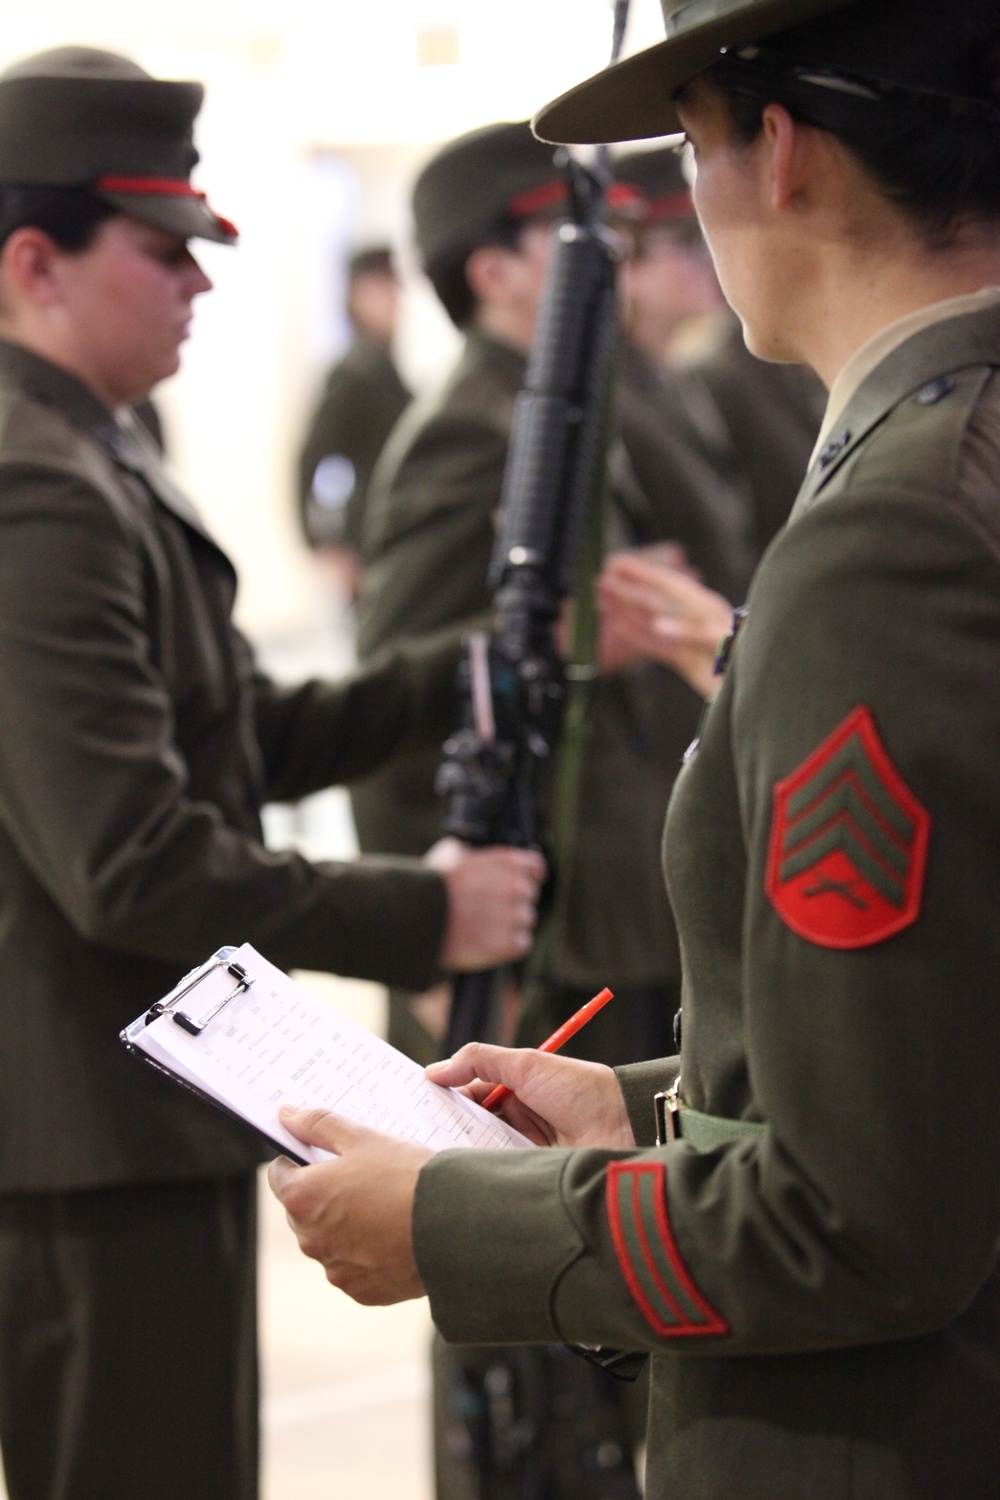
[(127, 302), (732, 196)]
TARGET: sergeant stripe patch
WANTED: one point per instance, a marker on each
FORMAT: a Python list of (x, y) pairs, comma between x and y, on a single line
[(647, 1252), (849, 840)]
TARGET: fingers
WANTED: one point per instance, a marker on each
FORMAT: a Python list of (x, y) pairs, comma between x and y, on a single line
[(318, 1127), (479, 1060), (492, 896)]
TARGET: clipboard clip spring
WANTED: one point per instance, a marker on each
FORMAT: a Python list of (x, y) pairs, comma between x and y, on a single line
[(243, 982)]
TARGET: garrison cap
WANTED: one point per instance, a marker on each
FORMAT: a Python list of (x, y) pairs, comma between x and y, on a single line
[(80, 117), (480, 182), (659, 177), (633, 99)]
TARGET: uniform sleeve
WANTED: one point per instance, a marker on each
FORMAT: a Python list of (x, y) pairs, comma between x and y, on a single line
[(95, 793), (322, 734), (865, 725)]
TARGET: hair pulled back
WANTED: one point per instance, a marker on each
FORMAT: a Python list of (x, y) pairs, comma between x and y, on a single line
[(910, 87)]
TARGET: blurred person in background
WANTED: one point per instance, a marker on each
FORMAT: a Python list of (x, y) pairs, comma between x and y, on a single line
[(363, 398), (677, 443), (483, 208), (139, 744)]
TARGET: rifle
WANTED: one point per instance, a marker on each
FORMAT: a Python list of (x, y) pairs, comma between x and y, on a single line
[(497, 772)]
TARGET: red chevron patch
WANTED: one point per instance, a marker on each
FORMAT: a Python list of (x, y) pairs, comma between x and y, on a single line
[(647, 1252), (848, 850)]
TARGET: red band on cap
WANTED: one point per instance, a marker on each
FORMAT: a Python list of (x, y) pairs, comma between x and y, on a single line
[(622, 195), (679, 205), (173, 187), (536, 200), (169, 187)]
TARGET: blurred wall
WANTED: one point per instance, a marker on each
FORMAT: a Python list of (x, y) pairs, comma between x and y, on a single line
[(317, 114)]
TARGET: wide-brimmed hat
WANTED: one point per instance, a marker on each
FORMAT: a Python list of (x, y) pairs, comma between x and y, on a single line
[(80, 117), (633, 100)]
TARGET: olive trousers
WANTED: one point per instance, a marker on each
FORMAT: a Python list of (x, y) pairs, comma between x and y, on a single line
[(128, 1358)]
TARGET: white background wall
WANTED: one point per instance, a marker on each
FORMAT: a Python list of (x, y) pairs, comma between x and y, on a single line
[(317, 114)]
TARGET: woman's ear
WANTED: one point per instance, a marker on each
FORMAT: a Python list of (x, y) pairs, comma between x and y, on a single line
[(784, 144)]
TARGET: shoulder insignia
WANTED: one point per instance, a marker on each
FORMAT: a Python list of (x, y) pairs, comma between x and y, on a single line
[(648, 1256), (848, 848)]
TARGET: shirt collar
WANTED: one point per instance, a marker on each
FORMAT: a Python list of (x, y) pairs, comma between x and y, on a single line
[(921, 366), (871, 354)]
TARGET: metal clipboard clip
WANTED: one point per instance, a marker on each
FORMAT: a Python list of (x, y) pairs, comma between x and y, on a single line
[(191, 982)]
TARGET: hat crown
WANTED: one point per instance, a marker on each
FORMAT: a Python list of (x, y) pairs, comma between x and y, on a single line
[(76, 62), (75, 114), (472, 183), (80, 117), (682, 15)]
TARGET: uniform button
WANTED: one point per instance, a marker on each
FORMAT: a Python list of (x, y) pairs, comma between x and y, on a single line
[(935, 391), (834, 449)]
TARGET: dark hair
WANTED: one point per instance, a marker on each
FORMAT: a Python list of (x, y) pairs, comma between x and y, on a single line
[(913, 95), (70, 216), (373, 260), (447, 272)]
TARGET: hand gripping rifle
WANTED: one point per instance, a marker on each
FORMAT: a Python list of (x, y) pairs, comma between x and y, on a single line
[(496, 775)]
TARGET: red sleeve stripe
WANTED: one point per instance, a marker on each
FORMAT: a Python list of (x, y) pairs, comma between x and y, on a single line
[(648, 1257)]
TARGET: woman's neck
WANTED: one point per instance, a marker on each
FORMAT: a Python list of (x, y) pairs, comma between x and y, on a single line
[(860, 296)]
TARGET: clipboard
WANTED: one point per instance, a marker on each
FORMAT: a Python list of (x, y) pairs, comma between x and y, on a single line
[(222, 958), (241, 1034)]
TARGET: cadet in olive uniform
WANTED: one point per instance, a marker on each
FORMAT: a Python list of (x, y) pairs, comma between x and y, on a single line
[(362, 401), (139, 743), (678, 446), (813, 1261), (771, 413), (428, 542), (430, 531)]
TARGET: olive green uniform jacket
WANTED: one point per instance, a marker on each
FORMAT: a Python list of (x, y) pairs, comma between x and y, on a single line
[(822, 1301), (362, 401), (428, 542), (138, 745)]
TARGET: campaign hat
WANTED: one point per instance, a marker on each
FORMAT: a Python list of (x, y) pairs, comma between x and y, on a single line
[(491, 177), (83, 118), (634, 99)]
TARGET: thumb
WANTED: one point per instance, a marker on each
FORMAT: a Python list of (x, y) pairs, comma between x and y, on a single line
[(319, 1127)]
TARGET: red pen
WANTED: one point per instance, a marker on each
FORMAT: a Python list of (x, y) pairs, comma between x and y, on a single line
[(554, 1042)]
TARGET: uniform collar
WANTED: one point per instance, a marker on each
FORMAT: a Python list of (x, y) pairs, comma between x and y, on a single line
[(917, 363), (53, 386), (497, 351), (871, 354), (120, 434)]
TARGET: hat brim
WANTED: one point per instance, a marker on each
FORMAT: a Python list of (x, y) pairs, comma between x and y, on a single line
[(633, 100), (190, 218)]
